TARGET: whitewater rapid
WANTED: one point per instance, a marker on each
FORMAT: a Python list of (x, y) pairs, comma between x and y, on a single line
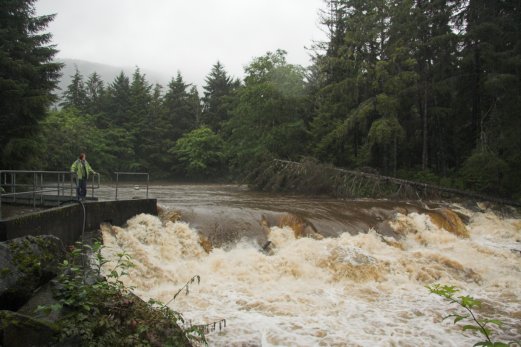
[(351, 290)]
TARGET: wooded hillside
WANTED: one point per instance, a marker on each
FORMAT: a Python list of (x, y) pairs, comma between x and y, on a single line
[(421, 90)]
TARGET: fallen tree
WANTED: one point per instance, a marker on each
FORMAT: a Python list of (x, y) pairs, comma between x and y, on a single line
[(311, 177)]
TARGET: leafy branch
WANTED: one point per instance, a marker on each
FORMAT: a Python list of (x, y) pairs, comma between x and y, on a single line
[(468, 304), (101, 310), (186, 287)]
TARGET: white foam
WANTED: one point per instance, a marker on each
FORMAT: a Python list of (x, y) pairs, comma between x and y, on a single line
[(350, 290)]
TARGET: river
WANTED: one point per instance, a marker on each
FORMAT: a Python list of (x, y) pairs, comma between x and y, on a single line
[(361, 284)]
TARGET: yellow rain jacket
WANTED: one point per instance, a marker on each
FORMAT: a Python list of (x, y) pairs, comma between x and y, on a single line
[(82, 170)]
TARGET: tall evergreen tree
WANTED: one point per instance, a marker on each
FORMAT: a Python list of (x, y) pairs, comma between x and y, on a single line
[(27, 75), (349, 102), (178, 118), (95, 92), (153, 137), (178, 108), (75, 95), (195, 101), (139, 117), (434, 44), (490, 82), (118, 102), (217, 88), (116, 120)]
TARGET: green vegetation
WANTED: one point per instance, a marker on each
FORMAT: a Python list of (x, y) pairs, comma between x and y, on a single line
[(27, 78), (468, 304), (424, 90), (201, 153), (99, 311)]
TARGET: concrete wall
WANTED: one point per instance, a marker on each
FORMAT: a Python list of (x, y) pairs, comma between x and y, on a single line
[(66, 222)]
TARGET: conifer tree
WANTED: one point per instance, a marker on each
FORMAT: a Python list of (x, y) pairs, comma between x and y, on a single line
[(139, 117), (217, 88), (95, 92), (75, 95), (489, 86), (28, 75), (118, 102), (178, 108), (195, 101), (116, 120), (152, 141)]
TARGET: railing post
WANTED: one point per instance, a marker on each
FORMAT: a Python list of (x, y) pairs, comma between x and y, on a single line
[(72, 182), (58, 187), (117, 180), (13, 185), (34, 189), (1, 177), (148, 180), (41, 188)]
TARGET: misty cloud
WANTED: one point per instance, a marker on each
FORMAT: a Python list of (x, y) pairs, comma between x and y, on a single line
[(189, 36)]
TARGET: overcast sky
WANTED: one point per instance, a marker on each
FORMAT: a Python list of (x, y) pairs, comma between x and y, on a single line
[(185, 35)]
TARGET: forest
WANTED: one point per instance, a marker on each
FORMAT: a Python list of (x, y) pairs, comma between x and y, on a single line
[(427, 90)]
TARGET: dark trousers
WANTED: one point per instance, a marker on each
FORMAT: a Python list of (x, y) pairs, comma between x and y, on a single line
[(81, 189)]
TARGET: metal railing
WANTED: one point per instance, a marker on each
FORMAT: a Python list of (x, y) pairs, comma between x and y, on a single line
[(131, 174), (30, 186)]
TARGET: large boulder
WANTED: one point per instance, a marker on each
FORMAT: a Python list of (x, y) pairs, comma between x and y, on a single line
[(25, 264), (449, 220)]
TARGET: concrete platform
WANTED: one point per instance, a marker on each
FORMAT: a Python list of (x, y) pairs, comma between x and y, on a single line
[(69, 221)]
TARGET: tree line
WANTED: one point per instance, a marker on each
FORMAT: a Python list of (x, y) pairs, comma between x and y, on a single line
[(427, 90)]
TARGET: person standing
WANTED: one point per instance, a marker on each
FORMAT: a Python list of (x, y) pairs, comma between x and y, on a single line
[(82, 169)]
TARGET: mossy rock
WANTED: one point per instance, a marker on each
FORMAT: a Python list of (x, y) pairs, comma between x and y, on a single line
[(22, 330), (25, 264)]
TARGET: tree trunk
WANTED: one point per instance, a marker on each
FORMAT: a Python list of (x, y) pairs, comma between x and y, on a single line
[(476, 97), (425, 147)]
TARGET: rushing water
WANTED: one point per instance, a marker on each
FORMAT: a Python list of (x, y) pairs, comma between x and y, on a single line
[(361, 285)]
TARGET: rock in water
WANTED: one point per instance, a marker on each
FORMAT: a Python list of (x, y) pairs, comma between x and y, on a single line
[(449, 220)]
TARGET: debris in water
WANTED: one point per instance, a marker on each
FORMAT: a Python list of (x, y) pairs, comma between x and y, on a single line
[(267, 248)]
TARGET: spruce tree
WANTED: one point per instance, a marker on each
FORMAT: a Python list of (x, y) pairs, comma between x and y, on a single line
[(75, 95), (118, 102), (116, 121), (217, 88), (489, 86), (28, 75), (139, 117), (94, 92), (178, 108)]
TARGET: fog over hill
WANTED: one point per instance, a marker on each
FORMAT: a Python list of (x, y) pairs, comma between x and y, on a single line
[(108, 73)]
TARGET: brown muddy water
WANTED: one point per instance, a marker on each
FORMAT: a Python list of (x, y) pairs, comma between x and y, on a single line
[(361, 283)]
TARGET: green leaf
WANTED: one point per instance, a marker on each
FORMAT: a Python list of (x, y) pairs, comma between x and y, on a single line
[(470, 302), (471, 327), (492, 321), (458, 318)]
